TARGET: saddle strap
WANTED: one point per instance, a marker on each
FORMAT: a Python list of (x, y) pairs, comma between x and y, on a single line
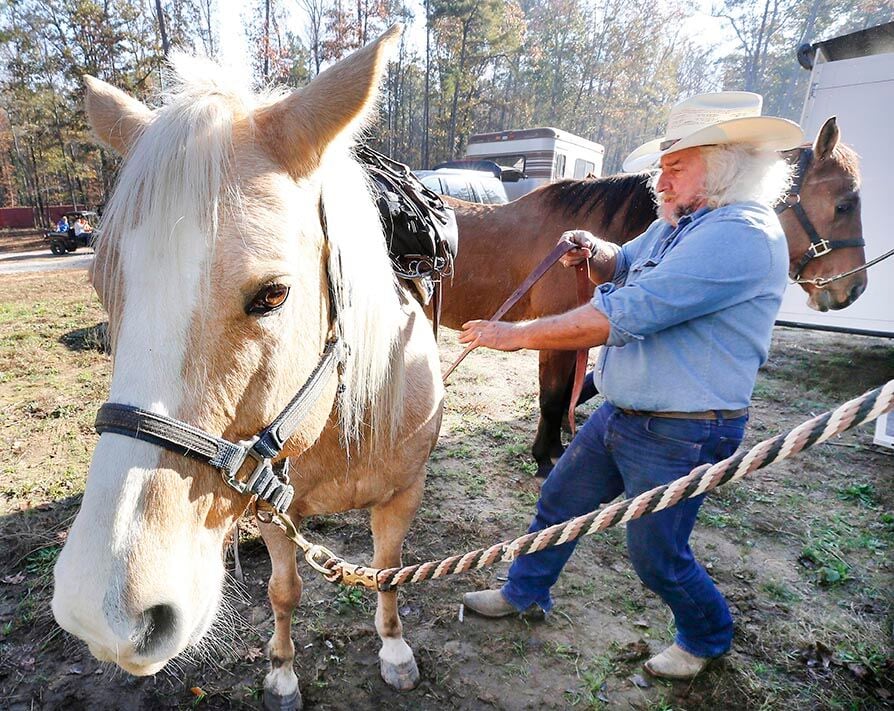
[(561, 248), (584, 291)]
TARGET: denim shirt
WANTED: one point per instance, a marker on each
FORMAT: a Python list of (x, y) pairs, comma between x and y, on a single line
[(691, 310)]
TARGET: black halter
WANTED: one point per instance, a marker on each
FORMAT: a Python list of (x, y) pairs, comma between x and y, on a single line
[(792, 200), (267, 481)]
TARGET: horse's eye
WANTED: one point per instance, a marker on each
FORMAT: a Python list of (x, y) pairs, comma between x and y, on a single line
[(844, 208), (268, 299)]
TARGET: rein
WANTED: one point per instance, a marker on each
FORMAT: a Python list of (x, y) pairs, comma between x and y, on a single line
[(818, 246), (583, 294)]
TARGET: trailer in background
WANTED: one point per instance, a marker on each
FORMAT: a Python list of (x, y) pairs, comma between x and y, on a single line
[(541, 154), (852, 77)]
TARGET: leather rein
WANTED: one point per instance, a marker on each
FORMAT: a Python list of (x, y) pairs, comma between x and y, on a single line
[(818, 246), (584, 290)]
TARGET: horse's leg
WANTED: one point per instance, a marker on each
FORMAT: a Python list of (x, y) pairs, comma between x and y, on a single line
[(390, 522), (556, 369), (284, 590)]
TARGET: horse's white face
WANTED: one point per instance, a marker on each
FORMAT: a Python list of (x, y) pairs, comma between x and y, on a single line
[(217, 330)]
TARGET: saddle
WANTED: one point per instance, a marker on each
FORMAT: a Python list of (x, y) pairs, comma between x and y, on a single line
[(420, 230)]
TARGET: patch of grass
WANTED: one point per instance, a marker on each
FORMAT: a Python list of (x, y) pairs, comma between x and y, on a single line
[(765, 390), (527, 498), (518, 670), (871, 656), (41, 561), (474, 484), (351, 598), (715, 519), (563, 651), (594, 676), (862, 493), (780, 592), (828, 545)]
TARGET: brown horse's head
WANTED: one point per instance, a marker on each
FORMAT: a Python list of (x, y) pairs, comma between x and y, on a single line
[(218, 275), (830, 199)]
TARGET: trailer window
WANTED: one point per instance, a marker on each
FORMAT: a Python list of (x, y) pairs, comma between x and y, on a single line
[(512, 160), (559, 168), (582, 168)]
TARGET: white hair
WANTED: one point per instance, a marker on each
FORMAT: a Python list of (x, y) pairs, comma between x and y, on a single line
[(738, 172)]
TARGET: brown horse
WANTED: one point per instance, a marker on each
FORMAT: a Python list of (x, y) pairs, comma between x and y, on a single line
[(241, 242), (500, 245)]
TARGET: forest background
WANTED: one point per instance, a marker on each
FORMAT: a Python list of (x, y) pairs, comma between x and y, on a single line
[(607, 70)]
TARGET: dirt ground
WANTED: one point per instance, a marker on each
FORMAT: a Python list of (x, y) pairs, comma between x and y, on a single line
[(801, 550), (22, 241)]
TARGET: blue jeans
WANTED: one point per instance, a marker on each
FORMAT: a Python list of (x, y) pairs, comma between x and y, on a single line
[(613, 453)]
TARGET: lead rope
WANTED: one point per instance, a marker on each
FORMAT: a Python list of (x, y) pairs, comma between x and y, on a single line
[(700, 480), (822, 281)]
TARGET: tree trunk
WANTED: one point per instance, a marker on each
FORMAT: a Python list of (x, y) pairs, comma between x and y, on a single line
[(451, 134), (161, 28)]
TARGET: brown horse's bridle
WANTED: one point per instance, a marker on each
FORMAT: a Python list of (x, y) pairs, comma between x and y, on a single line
[(818, 246)]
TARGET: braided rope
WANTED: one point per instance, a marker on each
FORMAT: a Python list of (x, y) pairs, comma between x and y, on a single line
[(855, 412)]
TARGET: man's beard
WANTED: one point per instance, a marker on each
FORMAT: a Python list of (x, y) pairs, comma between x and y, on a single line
[(679, 211)]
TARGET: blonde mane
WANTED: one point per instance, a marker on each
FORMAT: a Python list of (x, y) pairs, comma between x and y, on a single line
[(177, 178)]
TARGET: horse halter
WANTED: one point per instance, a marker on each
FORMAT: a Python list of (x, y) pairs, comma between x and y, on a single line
[(818, 246), (268, 481)]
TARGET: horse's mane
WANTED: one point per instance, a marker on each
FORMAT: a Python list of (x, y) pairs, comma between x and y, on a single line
[(630, 192), (849, 161), (176, 181)]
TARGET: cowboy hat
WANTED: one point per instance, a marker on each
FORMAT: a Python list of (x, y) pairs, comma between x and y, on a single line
[(717, 118)]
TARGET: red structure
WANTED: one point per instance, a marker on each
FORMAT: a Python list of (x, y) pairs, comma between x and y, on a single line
[(21, 217)]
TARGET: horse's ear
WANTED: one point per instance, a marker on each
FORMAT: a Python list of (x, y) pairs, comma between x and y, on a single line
[(826, 139), (116, 118), (297, 129)]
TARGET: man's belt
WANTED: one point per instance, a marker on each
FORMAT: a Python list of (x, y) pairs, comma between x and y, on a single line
[(705, 415)]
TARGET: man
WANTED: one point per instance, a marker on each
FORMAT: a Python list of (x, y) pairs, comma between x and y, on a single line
[(686, 312), (82, 227)]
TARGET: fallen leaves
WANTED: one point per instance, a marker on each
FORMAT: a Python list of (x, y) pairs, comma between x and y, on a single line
[(632, 652), (254, 653)]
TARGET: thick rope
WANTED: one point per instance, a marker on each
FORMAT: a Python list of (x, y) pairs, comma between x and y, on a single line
[(855, 412)]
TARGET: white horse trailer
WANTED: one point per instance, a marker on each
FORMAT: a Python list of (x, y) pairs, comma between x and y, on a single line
[(542, 154), (852, 77)]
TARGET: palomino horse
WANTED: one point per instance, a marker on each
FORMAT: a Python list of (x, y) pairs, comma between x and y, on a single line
[(240, 243), (501, 244)]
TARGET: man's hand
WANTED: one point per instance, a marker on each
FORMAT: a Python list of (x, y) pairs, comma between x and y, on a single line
[(499, 335), (586, 249)]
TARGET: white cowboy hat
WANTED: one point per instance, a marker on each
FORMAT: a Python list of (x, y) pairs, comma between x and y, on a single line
[(713, 119)]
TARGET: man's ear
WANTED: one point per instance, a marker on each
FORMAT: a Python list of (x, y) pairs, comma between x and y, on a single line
[(826, 139), (116, 118)]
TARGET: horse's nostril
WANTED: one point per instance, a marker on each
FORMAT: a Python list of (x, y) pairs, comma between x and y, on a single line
[(157, 626)]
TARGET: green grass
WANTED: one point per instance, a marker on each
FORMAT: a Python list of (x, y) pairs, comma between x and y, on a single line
[(862, 493), (41, 561), (780, 592)]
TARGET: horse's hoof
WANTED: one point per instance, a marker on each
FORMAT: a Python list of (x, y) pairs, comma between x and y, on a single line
[(403, 676), (543, 470), (278, 702)]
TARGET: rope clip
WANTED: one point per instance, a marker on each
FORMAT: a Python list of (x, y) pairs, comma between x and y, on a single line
[(330, 567)]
